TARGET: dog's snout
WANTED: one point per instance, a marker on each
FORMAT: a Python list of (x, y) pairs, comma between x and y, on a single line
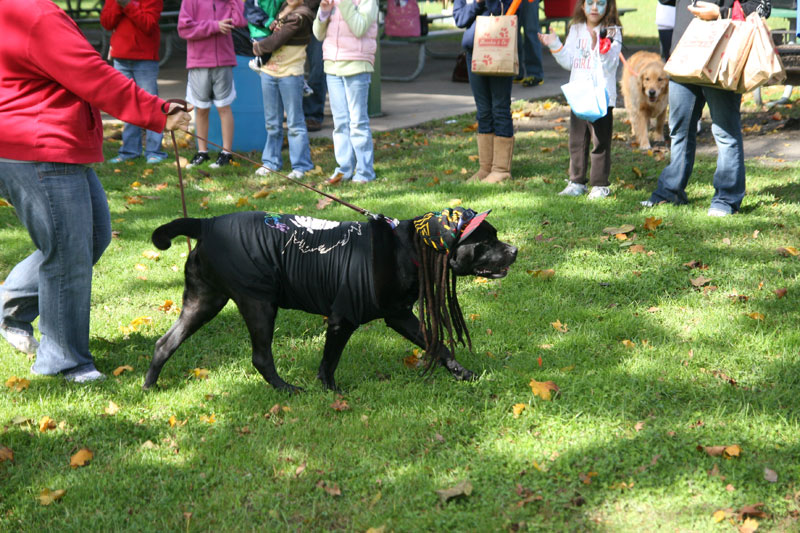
[(512, 252), (651, 92)]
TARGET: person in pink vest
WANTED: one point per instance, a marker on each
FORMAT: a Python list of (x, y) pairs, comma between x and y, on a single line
[(206, 25), (348, 30)]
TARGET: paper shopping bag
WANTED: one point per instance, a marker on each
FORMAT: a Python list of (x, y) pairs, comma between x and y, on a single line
[(697, 56), (735, 55), (494, 49), (764, 65)]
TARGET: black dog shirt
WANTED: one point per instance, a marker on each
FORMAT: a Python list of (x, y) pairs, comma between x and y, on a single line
[(318, 266)]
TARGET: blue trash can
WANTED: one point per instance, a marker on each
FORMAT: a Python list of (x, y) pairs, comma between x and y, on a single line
[(249, 132)]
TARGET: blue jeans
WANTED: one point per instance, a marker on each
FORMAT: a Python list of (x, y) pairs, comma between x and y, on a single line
[(530, 49), (145, 74), (352, 138), (493, 99), (278, 94), (314, 105), (65, 211), (685, 107)]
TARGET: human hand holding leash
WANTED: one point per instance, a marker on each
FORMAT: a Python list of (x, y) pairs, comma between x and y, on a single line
[(178, 117)]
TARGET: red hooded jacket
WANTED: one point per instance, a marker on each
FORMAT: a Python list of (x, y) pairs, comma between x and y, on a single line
[(52, 83), (136, 34)]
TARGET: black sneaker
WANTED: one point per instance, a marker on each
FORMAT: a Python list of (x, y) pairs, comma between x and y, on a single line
[(533, 81), (223, 159), (198, 159)]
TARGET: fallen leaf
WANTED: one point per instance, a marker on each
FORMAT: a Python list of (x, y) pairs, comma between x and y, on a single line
[(559, 326), (83, 456), (199, 373), (651, 223), (749, 526), (639, 425), (6, 454), (699, 281), (151, 254), (166, 307), (333, 490), (413, 360), (242, 201), (543, 389), (627, 228), (721, 451), (262, 193), (299, 470), (47, 496), (324, 202), (111, 409), (752, 511), (718, 516), (637, 249), (543, 274), (637, 172), (340, 405), (120, 369), (18, 384), (786, 251), (770, 475), (462, 489), (628, 343), (587, 478), (209, 419), (756, 316), (517, 409), (780, 293), (471, 127), (46, 423)]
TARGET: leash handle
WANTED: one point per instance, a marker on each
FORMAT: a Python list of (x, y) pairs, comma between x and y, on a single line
[(183, 106)]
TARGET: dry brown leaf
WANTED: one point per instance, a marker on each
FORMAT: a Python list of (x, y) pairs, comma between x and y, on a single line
[(699, 281), (262, 193), (18, 384), (517, 409), (780, 293), (562, 328), (462, 489), (756, 316), (6, 454), (628, 343), (47, 496), (770, 475), (46, 423), (727, 452), (651, 223), (543, 389), (324, 202), (111, 409), (151, 255), (637, 249), (340, 404), (120, 369), (543, 274), (748, 526), (199, 373), (752, 511), (81, 458), (627, 228), (333, 490), (786, 251)]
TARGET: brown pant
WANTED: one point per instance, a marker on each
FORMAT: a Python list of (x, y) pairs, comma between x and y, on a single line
[(580, 133)]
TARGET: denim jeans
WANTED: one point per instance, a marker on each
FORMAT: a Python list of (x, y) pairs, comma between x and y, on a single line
[(493, 99), (65, 211), (145, 74), (685, 107), (278, 94), (352, 138), (314, 105), (530, 49)]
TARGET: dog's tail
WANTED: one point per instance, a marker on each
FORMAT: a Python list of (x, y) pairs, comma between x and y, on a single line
[(191, 227)]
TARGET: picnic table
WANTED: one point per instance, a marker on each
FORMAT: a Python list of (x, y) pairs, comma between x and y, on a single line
[(545, 22)]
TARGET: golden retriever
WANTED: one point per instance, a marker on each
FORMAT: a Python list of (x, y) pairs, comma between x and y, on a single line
[(645, 87)]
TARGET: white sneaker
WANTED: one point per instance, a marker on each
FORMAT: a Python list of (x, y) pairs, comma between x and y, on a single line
[(717, 212), (84, 375), (19, 339), (598, 192), (296, 174), (573, 189), (646, 203), (262, 171)]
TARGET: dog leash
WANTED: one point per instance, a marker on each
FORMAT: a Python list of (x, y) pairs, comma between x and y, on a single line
[(627, 66), (182, 106)]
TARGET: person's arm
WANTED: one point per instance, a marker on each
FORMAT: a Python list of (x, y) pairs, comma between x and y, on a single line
[(563, 53), (281, 35), (111, 14), (237, 13), (320, 26), (359, 18), (464, 14), (144, 13)]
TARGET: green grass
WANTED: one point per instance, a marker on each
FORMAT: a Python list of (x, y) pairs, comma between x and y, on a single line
[(405, 436)]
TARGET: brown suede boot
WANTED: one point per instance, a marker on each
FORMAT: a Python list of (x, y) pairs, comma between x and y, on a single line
[(485, 153), (501, 161)]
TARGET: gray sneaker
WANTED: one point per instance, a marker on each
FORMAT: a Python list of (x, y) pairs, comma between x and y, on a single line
[(19, 339), (84, 375), (573, 189), (646, 203), (598, 192), (717, 212)]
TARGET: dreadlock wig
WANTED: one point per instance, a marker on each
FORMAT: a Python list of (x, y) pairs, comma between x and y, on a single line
[(441, 320)]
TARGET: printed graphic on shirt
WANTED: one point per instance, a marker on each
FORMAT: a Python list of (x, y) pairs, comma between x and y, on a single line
[(313, 235)]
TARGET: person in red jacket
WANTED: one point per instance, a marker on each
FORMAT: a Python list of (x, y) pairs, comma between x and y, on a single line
[(135, 39), (53, 87)]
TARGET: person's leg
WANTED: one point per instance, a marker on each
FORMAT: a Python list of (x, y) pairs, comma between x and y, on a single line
[(665, 42), (482, 93), (131, 135), (357, 91), (314, 105), (145, 74), (342, 147), (579, 138), (503, 145), (291, 91), (532, 48), (273, 120), (685, 107), (201, 126), (600, 156), (226, 122), (63, 207), (726, 126)]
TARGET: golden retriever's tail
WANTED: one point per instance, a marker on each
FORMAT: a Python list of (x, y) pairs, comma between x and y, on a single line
[(191, 227)]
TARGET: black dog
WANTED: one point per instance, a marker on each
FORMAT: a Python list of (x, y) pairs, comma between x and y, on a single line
[(352, 272)]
